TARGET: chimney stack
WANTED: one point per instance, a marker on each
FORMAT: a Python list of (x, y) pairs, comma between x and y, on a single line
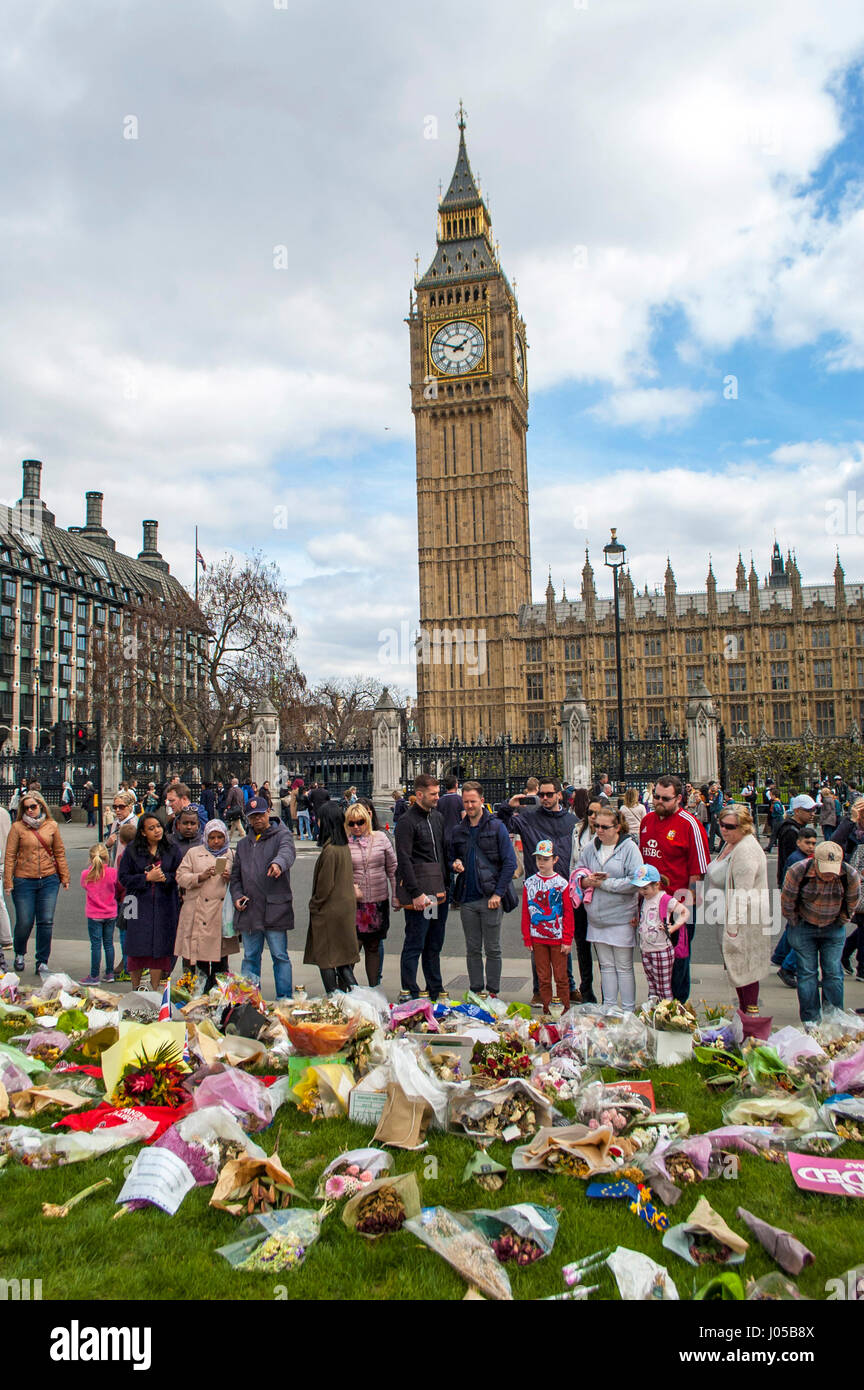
[(149, 552), (31, 512), (94, 510), (93, 528), (32, 470)]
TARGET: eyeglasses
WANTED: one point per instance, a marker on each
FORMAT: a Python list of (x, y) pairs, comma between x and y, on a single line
[(30, 806), (553, 793), (728, 824), (665, 798), (355, 822)]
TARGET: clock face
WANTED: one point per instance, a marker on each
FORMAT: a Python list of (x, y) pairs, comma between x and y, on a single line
[(519, 359), (457, 348)]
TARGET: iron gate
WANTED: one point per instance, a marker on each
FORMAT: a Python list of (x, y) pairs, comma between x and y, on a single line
[(501, 767)]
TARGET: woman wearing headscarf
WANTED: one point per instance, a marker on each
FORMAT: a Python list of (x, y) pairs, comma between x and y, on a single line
[(331, 942), (202, 876)]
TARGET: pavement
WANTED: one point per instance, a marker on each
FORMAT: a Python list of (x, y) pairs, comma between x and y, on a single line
[(71, 948)]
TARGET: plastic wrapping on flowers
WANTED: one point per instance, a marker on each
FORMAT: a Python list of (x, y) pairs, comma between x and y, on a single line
[(279, 1243)]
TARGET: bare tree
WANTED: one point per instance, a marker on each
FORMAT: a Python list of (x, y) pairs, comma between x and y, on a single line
[(196, 671), (340, 711)]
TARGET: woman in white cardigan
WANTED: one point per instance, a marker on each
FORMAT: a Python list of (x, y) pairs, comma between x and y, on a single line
[(612, 859), (738, 899)]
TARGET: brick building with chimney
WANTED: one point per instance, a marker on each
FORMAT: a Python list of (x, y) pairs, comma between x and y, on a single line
[(63, 596)]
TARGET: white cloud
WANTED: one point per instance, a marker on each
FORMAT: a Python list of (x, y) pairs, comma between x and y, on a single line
[(653, 406), (152, 349), (689, 515)]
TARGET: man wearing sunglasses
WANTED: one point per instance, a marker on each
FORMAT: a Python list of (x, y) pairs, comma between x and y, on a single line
[(549, 821), (674, 841)]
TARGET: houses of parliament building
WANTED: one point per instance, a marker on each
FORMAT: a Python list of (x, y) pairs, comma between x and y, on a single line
[(777, 655)]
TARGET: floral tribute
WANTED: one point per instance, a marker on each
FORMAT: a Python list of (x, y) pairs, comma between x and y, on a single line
[(156, 1080)]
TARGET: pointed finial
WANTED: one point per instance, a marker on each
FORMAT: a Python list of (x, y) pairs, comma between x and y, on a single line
[(440, 190), (461, 115), (416, 267)]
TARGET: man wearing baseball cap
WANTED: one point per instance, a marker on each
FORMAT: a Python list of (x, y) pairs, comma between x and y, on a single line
[(818, 899), (260, 888), (801, 809)]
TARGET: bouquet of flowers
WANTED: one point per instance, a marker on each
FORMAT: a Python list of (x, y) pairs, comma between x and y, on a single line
[(505, 1058), (318, 1028), (156, 1080)]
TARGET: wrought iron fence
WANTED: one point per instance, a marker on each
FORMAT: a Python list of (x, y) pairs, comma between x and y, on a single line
[(159, 765), (49, 771), (501, 767), (645, 759), (337, 768)]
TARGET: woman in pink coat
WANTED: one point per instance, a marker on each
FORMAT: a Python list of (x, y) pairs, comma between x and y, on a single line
[(374, 861)]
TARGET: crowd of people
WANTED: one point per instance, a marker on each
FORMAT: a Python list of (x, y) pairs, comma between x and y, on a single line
[(201, 881)]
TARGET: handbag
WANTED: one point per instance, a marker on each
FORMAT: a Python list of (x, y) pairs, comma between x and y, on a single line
[(368, 917), (228, 931)]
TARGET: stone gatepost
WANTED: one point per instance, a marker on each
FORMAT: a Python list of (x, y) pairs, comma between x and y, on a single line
[(703, 729), (111, 754), (386, 758), (265, 746), (576, 737)]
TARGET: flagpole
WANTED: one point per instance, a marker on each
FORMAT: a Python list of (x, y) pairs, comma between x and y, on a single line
[(196, 564)]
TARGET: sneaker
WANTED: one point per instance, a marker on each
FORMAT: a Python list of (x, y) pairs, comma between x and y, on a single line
[(108, 979), (88, 980), (20, 965), (847, 967), (788, 979), (122, 977)]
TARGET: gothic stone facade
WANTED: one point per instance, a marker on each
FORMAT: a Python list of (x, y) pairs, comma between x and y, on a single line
[(779, 655)]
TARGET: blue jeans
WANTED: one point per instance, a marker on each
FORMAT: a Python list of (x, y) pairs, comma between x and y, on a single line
[(35, 900), (303, 823), (101, 932), (783, 955), (424, 938), (253, 950), (121, 932), (815, 946)]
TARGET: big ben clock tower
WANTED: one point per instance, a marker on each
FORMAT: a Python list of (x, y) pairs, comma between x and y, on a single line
[(469, 396)]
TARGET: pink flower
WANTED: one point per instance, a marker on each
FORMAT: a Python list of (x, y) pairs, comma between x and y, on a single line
[(365, 1177), (353, 1169), (335, 1187)]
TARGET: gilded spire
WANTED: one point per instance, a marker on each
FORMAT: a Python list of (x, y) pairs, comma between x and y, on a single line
[(465, 244)]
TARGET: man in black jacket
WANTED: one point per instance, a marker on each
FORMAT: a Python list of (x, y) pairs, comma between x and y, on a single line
[(450, 807), (482, 856), (801, 810), (421, 886)]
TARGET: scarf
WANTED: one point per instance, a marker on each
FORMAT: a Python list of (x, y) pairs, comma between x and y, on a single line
[(34, 821), (216, 825)]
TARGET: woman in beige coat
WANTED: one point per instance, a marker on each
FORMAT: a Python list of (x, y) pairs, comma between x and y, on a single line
[(202, 876), (331, 942), (739, 900)]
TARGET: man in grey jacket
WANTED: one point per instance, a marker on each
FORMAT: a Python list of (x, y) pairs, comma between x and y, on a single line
[(261, 892)]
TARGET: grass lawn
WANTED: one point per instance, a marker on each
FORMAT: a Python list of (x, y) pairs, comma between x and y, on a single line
[(148, 1255)]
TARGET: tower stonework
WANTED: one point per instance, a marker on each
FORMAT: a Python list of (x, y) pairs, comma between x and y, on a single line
[(469, 397)]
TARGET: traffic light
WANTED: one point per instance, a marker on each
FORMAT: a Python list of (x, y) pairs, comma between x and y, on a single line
[(79, 738)]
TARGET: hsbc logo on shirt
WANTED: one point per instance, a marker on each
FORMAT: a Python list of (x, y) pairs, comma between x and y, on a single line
[(651, 850)]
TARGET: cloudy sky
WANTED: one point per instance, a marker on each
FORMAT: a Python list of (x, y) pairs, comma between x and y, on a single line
[(211, 211)]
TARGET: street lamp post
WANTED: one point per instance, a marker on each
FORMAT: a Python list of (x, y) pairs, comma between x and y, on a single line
[(613, 557)]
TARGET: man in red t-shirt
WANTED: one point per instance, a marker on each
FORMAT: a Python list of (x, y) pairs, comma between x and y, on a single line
[(676, 844)]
